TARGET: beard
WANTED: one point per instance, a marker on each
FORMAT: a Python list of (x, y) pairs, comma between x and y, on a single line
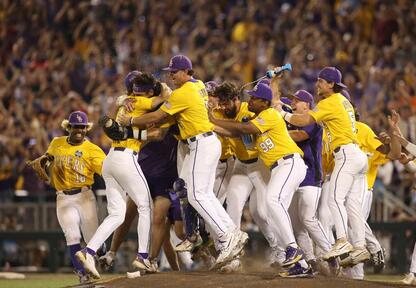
[(231, 113)]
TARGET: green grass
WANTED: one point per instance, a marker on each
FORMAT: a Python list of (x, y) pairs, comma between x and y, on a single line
[(47, 280)]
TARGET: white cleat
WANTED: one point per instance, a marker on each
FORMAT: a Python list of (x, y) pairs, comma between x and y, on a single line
[(409, 279), (144, 265), (358, 255), (87, 260), (340, 248), (231, 248), (188, 245)]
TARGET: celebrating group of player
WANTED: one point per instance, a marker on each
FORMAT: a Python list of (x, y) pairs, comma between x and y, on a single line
[(305, 165)]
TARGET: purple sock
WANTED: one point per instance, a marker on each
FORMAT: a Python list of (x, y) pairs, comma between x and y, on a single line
[(143, 255), (90, 251), (74, 249)]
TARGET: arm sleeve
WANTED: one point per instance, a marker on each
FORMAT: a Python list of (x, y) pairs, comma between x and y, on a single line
[(372, 142), (322, 112), (265, 120), (51, 147), (97, 158), (176, 103)]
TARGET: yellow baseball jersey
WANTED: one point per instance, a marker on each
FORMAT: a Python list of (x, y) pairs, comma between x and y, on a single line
[(336, 115), (188, 104), (74, 166), (369, 144), (243, 151), (327, 157), (274, 141), (141, 106)]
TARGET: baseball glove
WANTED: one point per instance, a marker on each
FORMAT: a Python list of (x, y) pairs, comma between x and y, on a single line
[(117, 132), (41, 165)]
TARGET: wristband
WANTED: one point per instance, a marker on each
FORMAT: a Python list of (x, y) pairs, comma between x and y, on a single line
[(136, 133), (143, 135), (286, 115)]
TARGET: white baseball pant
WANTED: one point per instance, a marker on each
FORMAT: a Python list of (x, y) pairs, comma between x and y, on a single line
[(250, 180), (200, 166), (222, 178), (347, 185), (373, 246), (306, 225), (122, 173), (324, 214), (77, 213), (284, 181)]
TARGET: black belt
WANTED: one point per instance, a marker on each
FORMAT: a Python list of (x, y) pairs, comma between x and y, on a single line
[(74, 191), (122, 149), (284, 158), (336, 150), (249, 161), (223, 160), (206, 134)]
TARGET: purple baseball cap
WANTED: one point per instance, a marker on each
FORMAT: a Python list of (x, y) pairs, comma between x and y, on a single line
[(78, 118), (265, 81), (286, 100), (332, 74), (261, 91), (346, 94), (210, 86), (179, 62), (128, 81), (304, 96)]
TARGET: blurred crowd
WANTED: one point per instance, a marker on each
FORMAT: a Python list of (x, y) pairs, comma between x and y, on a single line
[(58, 56)]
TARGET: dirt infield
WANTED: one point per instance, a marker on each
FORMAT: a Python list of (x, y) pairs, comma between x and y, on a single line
[(243, 280)]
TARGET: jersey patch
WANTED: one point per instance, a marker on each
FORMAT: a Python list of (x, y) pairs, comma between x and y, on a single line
[(260, 120), (78, 153)]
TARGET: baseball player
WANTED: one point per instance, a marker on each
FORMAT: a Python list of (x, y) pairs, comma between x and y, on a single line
[(226, 163), (74, 160), (188, 105), (158, 161), (377, 154), (249, 176), (284, 158), (347, 183), (305, 203), (222, 174), (122, 174)]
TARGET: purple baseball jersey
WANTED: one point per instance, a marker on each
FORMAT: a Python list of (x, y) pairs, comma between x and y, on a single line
[(312, 149), (158, 162)]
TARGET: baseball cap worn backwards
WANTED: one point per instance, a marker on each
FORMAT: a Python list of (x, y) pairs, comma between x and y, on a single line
[(261, 91), (78, 118), (332, 74), (179, 62)]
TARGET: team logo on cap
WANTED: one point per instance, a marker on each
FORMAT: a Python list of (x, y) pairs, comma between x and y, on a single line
[(256, 87), (79, 118), (78, 154)]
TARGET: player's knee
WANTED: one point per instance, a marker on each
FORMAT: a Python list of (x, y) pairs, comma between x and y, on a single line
[(72, 236), (159, 218), (309, 222)]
